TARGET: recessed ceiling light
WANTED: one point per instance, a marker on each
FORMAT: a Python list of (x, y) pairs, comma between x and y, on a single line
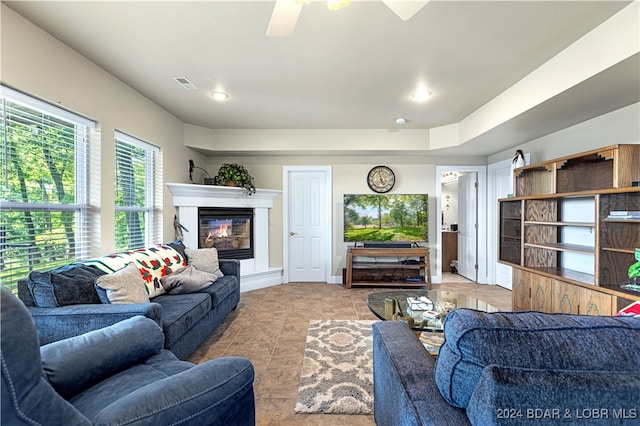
[(219, 96), (421, 94), (400, 121)]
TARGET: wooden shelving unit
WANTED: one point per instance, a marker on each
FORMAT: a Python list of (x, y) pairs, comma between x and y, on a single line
[(388, 267), (568, 255)]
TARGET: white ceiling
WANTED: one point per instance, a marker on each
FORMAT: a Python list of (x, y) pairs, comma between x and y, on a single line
[(354, 68)]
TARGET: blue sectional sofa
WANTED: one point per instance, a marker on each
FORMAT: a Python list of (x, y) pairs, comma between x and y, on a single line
[(186, 319), (510, 368), (118, 375)]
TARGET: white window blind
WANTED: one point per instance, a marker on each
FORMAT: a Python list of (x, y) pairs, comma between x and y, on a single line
[(138, 193), (44, 152)]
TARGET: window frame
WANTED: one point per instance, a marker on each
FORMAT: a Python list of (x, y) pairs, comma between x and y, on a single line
[(82, 145), (152, 208)]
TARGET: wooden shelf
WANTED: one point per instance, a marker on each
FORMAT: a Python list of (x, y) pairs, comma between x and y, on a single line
[(576, 224), (385, 272), (620, 250), (574, 248), (575, 277), (561, 207), (391, 265)]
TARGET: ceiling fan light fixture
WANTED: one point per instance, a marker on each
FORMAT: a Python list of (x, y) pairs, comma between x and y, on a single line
[(337, 4), (219, 95)]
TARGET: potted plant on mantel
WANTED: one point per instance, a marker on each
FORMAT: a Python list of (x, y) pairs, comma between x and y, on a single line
[(231, 174)]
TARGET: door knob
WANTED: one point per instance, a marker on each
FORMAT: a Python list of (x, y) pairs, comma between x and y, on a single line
[(292, 233)]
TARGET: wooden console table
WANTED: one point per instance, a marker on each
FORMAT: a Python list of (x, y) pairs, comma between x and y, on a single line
[(389, 273)]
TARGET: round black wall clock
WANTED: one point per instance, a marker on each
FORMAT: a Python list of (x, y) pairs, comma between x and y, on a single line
[(381, 179)]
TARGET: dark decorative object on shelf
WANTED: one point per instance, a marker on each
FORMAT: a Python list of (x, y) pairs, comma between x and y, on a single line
[(231, 174), (207, 181)]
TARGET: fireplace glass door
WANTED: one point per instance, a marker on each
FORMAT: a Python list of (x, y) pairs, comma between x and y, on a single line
[(228, 230)]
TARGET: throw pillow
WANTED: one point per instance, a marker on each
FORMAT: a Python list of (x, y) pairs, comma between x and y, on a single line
[(187, 280), (124, 286), (205, 260), (67, 285), (179, 247)]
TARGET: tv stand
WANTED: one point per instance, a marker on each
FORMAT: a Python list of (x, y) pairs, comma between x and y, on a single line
[(403, 272)]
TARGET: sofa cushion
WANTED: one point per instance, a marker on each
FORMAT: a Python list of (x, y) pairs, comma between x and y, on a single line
[(205, 260), (75, 364), (124, 286), (156, 368), (68, 285), (222, 288), (511, 395), (153, 263), (181, 312), (474, 340), (187, 280)]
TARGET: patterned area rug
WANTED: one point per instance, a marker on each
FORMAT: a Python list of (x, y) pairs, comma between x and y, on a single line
[(337, 370)]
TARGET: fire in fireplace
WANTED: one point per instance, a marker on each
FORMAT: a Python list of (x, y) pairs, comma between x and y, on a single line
[(229, 230)]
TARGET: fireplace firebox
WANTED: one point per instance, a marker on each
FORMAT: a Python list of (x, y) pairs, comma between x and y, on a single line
[(229, 230)]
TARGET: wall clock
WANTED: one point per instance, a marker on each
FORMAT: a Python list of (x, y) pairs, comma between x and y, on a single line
[(381, 179)]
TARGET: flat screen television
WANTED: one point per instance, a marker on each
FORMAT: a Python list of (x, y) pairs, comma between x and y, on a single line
[(386, 218)]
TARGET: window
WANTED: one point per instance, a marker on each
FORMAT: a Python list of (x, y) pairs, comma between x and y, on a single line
[(138, 193), (43, 186)]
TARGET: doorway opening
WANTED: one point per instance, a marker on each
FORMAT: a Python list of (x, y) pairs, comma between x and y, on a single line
[(462, 223)]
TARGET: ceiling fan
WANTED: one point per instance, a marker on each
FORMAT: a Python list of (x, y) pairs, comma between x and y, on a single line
[(285, 13)]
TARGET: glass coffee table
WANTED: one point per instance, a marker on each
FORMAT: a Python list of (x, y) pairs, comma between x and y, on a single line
[(426, 319)]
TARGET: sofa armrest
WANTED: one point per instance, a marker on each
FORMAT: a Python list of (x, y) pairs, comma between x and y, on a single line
[(230, 267), (59, 323), (217, 392), (74, 364), (512, 395), (404, 389)]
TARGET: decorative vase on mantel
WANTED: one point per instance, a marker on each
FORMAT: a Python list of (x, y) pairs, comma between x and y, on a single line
[(232, 182)]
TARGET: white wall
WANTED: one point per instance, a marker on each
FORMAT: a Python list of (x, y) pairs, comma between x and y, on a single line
[(39, 65), (620, 126)]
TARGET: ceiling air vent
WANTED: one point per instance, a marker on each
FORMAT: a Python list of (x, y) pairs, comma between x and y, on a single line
[(184, 82)]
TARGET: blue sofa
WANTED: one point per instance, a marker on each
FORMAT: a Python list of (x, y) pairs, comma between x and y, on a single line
[(186, 319), (118, 375), (510, 368)]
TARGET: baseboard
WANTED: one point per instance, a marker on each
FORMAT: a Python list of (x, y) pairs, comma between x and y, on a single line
[(262, 279)]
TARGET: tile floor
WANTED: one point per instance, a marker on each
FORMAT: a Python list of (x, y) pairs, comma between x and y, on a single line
[(269, 327)]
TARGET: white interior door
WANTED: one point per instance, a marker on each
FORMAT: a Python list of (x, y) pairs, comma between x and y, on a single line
[(502, 183), (308, 230), (468, 225)]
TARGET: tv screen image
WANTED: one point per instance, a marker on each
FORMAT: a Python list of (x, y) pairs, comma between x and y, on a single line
[(386, 218)]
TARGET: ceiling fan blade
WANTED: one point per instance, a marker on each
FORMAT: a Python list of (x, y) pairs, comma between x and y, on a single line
[(284, 18), (405, 9)]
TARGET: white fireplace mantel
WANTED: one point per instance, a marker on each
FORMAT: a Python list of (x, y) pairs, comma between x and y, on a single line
[(254, 273)]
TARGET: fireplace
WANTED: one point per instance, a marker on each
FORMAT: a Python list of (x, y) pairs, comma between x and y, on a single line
[(189, 198), (229, 230)]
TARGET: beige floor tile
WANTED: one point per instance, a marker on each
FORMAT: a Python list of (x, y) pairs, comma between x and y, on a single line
[(269, 327)]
